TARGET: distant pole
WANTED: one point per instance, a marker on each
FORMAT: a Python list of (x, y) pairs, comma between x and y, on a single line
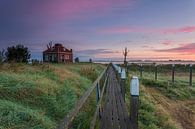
[(190, 74), (156, 70), (123, 78), (173, 73), (134, 92)]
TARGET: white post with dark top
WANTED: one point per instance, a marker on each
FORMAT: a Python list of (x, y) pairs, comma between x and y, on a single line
[(123, 78), (134, 92), (119, 74)]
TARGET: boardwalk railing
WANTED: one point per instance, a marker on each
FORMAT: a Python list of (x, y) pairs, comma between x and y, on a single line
[(114, 86), (134, 94), (68, 119)]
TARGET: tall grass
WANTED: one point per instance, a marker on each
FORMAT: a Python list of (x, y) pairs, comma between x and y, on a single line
[(179, 90), (39, 96)]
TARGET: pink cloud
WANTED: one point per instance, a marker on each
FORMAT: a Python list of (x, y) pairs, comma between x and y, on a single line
[(167, 43), (185, 49), (68, 9), (121, 30), (124, 30), (186, 29)]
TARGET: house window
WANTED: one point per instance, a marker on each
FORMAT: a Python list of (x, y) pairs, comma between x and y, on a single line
[(67, 57)]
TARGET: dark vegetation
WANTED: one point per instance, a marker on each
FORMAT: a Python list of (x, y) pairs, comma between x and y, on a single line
[(18, 53), (76, 60)]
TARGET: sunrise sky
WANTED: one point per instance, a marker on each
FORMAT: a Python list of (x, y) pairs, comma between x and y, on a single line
[(100, 29)]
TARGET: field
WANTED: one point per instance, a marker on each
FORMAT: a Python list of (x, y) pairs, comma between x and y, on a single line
[(164, 105), (39, 96)]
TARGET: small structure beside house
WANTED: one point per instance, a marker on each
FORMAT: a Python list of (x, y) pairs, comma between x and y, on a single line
[(57, 53)]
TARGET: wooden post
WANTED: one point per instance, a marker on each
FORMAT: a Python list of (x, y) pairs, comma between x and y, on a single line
[(173, 73), (141, 70), (156, 70), (98, 97), (190, 74), (134, 92), (97, 92), (123, 78)]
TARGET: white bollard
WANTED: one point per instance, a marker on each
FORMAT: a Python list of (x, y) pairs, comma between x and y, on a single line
[(134, 86), (123, 78), (134, 92)]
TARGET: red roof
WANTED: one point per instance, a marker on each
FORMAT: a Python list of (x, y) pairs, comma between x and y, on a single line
[(56, 47)]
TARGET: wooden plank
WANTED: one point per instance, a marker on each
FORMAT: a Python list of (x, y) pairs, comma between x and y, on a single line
[(114, 108), (120, 109), (104, 115), (115, 114)]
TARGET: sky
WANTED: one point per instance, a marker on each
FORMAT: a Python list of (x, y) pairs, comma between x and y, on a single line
[(101, 29)]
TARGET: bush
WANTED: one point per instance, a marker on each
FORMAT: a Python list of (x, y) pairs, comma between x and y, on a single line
[(89, 72)]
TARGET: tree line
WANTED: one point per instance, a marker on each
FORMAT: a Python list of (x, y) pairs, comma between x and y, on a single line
[(18, 53)]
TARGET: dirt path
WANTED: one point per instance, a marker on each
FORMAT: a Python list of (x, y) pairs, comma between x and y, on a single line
[(181, 112)]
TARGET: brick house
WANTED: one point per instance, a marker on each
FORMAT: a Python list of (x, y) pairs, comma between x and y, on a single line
[(57, 53)]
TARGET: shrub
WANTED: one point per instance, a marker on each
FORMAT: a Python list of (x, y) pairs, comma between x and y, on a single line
[(89, 72)]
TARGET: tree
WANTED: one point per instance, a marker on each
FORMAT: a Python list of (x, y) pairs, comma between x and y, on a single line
[(2, 56), (18, 53), (125, 57), (76, 60), (90, 60)]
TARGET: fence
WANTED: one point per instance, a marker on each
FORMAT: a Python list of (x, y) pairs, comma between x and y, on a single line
[(171, 73), (97, 86)]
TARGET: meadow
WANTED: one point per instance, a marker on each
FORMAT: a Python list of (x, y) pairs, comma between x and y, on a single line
[(164, 105), (38, 96)]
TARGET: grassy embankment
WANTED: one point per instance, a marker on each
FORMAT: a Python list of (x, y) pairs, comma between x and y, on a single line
[(164, 105), (38, 97)]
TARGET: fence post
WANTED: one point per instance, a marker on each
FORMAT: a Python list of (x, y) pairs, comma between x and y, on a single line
[(98, 96), (156, 70), (141, 70), (123, 77), (134, 91), (173, 73), (190, 74), (97, 91)]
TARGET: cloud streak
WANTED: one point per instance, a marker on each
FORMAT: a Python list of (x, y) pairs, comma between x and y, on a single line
[(122, 30), (185, 49), (167, 43), (26, 19), (94, 52)]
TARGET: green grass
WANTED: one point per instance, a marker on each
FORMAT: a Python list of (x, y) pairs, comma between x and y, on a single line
[(179, 90), (39, 96), (150, 117)]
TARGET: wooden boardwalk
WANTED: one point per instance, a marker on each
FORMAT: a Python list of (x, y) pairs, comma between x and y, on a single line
[(114, 114)]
